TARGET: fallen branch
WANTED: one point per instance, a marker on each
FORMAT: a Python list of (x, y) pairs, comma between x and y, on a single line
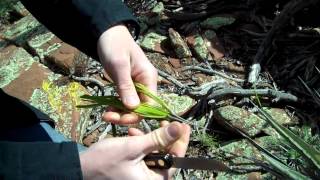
[(171, 79), (277, 95), (212, 72), (90, 80)]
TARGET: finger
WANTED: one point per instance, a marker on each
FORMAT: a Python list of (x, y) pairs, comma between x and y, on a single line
[(161, 137), (121, 118), (143, 71), (121, 74), (179, 147), (164, 123), (111, 116), (135, 132)]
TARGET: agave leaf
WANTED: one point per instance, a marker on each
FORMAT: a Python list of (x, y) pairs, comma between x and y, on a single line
[(273, 160), (143, 89), (291, 173), (310, 153)]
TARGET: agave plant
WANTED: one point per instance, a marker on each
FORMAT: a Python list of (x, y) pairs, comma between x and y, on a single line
[(310, 154), (160, 110)]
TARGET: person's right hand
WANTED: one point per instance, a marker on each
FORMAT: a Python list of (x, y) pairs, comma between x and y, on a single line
[(126, 63), (122, 158)]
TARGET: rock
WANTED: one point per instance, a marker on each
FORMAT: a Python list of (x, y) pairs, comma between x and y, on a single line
[(59, 102), (213, 44), (229, 176), (13, 61), (240, 118), (244, 148), (161, 62), (180, 47), (215, 22), (20, 9), (54, 51), (198, 45), (281, 117), (178, 104), (28, 80), (21, 31), (249, 122), (159, 8), (175, 62), (153, 42)]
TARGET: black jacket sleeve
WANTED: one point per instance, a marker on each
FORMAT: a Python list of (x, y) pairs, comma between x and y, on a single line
[(80, 22), (36, 161)]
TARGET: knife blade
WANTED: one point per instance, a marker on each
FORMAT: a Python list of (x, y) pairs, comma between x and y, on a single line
[(166, 161)]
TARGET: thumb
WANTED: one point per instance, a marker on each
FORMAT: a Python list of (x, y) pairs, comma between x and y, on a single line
[(161, 138), (125, 87)]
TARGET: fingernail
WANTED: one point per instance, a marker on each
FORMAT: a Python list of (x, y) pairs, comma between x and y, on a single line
[(173, 130), (131, 101)]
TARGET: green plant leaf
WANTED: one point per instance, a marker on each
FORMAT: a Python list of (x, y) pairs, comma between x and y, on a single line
[(104, 100), (150, 111), (306, 150), (143, 89), (144, 109), (291, 173)]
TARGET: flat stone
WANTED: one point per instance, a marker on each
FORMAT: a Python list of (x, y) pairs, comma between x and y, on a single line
[(240, 118), (29, 79), (241, 149), (181, 48), (178, 104), (24, 29), (159, 8), (215, 22), (52, 50), (175, 62), (228, 176), (59, 102), (213, 44), (198, 45), (13, 61), (20, 9), (153, 42), (281, 117), (249, 122)]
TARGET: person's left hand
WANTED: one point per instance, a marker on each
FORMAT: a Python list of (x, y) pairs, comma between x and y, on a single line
[(122, 158), (125, 62)]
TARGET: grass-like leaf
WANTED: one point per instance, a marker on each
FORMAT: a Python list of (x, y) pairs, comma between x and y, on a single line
[(159, 111), (311, 154), (143, 89), (291, 173), (274, 161)]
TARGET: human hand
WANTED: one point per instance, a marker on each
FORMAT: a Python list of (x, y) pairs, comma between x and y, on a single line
[(122, 158), (125, 62)]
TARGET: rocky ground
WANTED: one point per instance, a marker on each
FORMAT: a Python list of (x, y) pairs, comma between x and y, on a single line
[(208, 54)]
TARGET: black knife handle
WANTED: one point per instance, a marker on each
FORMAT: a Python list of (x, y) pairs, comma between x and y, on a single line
[(158, 160)]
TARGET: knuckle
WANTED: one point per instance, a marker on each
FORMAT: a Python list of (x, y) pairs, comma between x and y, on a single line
[(125, 86)]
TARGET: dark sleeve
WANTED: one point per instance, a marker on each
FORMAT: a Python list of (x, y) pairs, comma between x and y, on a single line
[(81, 22), (39, 160)]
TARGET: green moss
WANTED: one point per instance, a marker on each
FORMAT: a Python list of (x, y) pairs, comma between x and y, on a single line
[(150, 41), (159, 8), (23, 29), (20, 60), (200, 48), (240, 118), (178, 104)]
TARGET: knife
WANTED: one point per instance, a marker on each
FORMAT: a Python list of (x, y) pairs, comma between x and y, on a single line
[(166, 161)]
